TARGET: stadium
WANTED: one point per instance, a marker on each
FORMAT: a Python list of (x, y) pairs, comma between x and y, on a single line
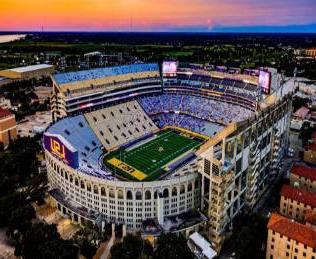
[(176, 149)]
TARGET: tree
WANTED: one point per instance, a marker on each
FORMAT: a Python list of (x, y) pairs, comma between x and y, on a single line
[(306, 133), (60, 249), (173, 247), (130, 248), (88, 239), (42, 241), (20, 219), (36, 236), (87, 248), (20, 184), (8, 204), (250, 236)]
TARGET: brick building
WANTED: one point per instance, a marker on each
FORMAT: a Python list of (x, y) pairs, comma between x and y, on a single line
[(8, 130), (304, 177), (290, 239), (295, 201)]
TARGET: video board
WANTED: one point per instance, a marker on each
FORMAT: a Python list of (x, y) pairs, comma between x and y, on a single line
[(169, 68), (265, 81)]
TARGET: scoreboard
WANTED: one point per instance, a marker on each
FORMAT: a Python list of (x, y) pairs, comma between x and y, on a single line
[(265, 81), (169, 68)]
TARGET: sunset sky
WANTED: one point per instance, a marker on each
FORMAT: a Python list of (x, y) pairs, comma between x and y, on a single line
[(158, 15)]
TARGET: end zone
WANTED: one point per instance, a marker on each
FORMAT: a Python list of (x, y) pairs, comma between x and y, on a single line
[(127, 168)]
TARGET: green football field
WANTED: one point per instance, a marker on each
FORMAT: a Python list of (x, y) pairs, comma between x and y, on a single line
[(148, 161)]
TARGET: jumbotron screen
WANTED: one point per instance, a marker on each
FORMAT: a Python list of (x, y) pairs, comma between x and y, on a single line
[(265, 81), (169, 68)]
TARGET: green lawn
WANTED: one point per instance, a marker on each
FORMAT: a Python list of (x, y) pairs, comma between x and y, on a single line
[(151, 157)]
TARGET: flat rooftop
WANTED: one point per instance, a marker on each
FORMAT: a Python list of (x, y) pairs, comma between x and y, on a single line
[(29, 68), (65, 78)]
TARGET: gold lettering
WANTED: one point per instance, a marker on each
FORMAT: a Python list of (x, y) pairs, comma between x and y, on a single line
[(57, 148)]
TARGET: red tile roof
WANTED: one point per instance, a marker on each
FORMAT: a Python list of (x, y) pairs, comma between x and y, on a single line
[(4, 113), (294, 230), (304, 171), (310, 216), (303, 196)]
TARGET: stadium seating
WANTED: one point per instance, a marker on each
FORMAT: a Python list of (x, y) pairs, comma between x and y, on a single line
[(225, 85), (199, 107), (120, 124), (77, 131), (65, 78), (187, 122)]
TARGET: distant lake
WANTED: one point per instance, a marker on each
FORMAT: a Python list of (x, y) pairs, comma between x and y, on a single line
[(12, 37)]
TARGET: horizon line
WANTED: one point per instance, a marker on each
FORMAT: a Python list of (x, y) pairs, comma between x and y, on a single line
[(167, 31)]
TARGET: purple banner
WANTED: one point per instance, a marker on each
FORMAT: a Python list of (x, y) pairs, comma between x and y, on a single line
[(57, 148)]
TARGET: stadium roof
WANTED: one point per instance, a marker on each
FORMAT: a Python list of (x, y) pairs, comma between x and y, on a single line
[(30, 68), (293, 230), (70, 77), (303, 196), (304, 171)]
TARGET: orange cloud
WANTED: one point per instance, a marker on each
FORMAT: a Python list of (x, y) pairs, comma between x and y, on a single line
[(143, 14)]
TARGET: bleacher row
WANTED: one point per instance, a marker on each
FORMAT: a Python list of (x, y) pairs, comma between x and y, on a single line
[(70, 77), (200, 107), (218, 81), (120, 124), (79, 134), (225, 85)]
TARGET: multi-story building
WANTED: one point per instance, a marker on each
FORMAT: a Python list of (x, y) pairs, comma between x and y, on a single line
[(295, 201), (310, 219), (7, 128), (303, 176), (290, 239)]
